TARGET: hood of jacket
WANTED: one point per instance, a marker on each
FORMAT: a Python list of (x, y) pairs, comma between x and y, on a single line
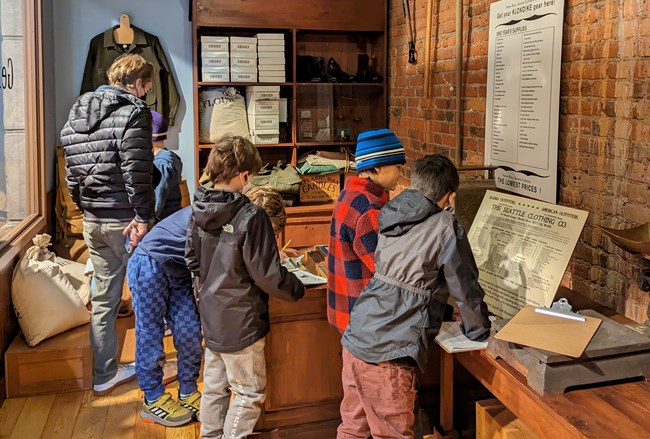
[(93, 107), (405, 211), (171, 159), (213, 208)]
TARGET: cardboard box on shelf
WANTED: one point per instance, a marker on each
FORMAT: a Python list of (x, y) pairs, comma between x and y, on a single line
[(263, 122), (243, 44), (269, 36), (263, 92), (243, 77), (270, 54), (262, 107), (243, 74), (275, 68), (266, 137), (263, 42), (277, 60), (215, 74), (214, 59), (243, 62), (273, 78), (214, 43), (320, 188), (271, 49)]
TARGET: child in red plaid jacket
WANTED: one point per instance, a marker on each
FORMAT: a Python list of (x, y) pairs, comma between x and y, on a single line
[(354, 227)]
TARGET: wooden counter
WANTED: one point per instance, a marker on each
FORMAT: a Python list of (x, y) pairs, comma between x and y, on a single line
[(614, 411), (303, 369)]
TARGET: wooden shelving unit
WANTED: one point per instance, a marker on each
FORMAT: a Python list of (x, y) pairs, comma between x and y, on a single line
[(303, 353), (344, 108)]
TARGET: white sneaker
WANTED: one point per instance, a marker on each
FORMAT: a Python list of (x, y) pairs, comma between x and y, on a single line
[(125, 373)]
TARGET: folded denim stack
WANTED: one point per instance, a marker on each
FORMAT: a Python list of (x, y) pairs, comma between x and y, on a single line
[(270, 53)]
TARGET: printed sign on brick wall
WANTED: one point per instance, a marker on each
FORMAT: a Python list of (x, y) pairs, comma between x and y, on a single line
[(522, 248), (523, 95)]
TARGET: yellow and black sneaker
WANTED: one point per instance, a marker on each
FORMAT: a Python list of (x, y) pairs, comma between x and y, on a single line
[(192, 402), (166, 411)]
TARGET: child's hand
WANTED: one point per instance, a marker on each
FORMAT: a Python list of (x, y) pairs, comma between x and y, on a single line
[(289, 253)]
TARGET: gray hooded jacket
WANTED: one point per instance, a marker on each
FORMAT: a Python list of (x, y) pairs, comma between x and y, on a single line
[(422, 256)]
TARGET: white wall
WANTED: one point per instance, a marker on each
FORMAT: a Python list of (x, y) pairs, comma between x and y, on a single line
[(76, 22)]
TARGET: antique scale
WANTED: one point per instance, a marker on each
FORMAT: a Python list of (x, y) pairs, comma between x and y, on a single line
[(616, 352)]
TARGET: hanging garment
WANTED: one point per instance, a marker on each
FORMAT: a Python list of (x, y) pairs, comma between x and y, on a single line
[(163, 96)]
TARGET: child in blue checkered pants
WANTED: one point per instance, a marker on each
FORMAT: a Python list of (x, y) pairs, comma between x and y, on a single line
[(161, 288)]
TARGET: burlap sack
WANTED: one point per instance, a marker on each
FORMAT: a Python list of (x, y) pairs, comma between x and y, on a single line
[(48, 293)]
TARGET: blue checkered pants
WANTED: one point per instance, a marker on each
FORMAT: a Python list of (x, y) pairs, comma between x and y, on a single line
[(157, 296)]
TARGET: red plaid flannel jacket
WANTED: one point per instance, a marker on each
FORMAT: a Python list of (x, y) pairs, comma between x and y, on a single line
[(351, 251)]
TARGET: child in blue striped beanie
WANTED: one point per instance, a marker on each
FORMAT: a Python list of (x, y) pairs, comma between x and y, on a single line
[(354, 229)]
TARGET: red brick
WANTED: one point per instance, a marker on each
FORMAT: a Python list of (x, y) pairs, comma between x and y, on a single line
[(604, 119)]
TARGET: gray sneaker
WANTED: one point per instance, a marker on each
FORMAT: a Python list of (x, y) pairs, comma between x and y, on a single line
[(125, 373), (166, 411)]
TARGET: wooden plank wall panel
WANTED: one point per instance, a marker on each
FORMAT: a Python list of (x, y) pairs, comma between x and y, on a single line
[(358, 15)]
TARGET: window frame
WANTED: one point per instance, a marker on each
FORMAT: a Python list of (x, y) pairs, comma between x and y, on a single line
[(35, 221)]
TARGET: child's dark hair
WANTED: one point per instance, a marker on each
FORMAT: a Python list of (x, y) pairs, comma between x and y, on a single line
[(230, 156), (434, 175)]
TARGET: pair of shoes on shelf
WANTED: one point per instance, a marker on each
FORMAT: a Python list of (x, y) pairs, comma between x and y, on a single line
[(166, 411), (313, 69), (125, 373), (366, 72)]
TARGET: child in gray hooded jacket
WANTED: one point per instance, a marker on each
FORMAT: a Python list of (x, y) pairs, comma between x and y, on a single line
[(422, 257)]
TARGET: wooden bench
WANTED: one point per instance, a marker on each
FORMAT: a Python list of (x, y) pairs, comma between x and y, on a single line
[(60, 364)]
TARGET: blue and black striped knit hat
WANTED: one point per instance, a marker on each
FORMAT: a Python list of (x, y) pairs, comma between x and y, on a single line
[(377, 148)]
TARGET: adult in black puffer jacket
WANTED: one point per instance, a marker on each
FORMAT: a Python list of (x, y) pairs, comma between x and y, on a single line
[(109, 162)]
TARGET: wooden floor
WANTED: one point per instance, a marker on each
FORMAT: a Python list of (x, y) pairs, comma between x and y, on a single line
[(83, 415)]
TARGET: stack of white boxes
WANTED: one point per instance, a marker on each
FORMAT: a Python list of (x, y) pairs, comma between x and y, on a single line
[(263, 106), (270, 53), (214, 59), (243, 57)]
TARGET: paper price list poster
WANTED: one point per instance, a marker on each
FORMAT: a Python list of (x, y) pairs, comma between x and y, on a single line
[(522, 248), (523, 95)]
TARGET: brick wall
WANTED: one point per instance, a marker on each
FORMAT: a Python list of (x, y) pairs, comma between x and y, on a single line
[(604, 157)]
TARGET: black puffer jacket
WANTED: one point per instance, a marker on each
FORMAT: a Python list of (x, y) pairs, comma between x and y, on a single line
[(231, 246), (109, 157)]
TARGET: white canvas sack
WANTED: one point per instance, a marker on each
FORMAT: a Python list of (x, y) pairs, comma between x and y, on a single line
[(49, 293), (222, 111)]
